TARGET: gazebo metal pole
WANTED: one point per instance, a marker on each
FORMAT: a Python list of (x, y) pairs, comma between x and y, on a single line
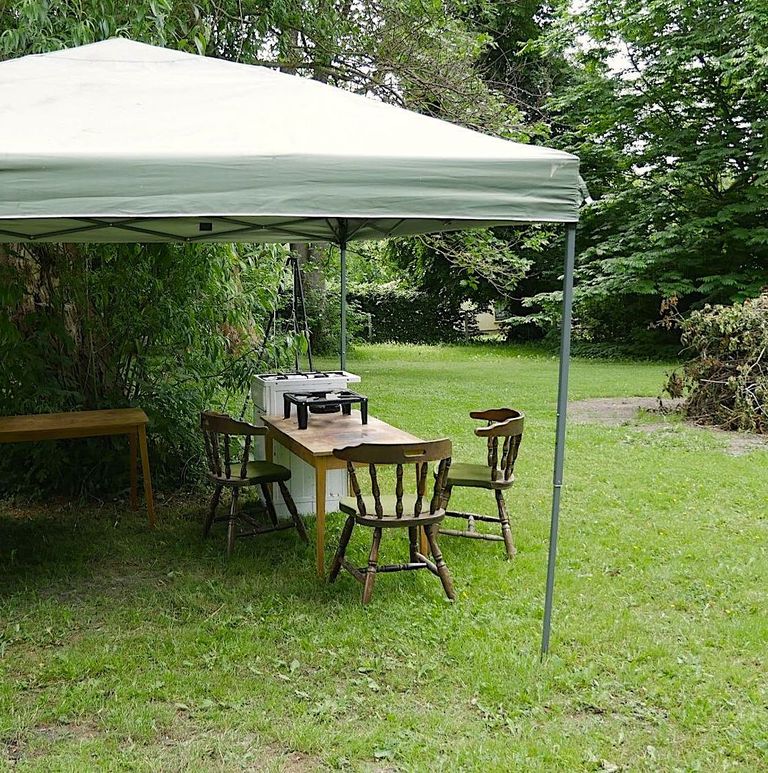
[(343, 341), (562, 408)]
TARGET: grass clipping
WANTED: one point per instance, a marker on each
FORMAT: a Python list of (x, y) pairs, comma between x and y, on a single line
[(725, 381)]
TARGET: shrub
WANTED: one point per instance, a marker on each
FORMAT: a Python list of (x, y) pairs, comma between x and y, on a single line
[(406, 315), (169, 328), (725, 382), (324, 318)]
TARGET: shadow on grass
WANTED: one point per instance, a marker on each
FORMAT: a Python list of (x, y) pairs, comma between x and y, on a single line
[(77, 555)]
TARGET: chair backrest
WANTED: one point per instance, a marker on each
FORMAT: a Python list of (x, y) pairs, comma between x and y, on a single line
[(418, 454), (218, 429), (504, 423)]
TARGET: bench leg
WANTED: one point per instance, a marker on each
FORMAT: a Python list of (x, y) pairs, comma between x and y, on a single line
[(146, 474), (132, 441)]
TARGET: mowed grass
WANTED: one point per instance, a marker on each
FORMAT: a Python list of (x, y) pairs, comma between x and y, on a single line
[(122, 648)]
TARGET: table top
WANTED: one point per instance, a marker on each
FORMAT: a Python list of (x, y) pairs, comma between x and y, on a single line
[(327, 431), (71, 424)]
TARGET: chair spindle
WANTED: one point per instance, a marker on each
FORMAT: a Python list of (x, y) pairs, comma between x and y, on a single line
[(227, 458), (399, 491), (356, 488), (216, 454), (246, 457), (376, 491)]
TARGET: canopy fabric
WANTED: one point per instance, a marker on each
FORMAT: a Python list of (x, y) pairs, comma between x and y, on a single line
[(122, 142)]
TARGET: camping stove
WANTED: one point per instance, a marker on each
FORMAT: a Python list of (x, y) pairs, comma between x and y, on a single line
[(323, 402)]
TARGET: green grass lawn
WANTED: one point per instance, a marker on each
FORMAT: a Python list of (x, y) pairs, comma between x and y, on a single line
[(126, 649)]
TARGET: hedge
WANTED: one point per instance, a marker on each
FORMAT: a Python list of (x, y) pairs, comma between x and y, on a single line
[(405, 315)]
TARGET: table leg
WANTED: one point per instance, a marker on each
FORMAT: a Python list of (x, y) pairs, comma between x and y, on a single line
[(320, 471), (146, 474), (269, 455), (132, 441)]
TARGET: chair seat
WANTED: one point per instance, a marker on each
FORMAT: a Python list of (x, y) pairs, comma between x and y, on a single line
[(475, 476), (256, 472), (348, 505)]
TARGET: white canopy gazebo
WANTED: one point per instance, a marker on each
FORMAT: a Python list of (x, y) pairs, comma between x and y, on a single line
[(123, 142)]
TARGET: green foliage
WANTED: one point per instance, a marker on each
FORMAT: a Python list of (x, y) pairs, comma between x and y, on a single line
[(666, 106), (167, 328), (324, 316), (404, 314), (37, 26), (452, 270), (725, 381)]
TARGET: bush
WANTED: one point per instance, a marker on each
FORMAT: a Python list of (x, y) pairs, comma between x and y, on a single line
[(168, 328), (405, 315), (725, 382), (324, 318)]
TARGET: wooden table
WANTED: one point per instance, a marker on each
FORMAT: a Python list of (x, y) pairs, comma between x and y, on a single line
[(80, 424), (315, 446)]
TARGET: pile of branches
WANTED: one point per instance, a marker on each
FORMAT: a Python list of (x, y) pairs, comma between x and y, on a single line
[(725, 381)]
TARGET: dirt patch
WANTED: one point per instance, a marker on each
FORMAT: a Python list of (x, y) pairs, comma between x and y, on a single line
[(615, 411), (12, 750), (232, 749), (184, 746), (82, 732), (292, 762), (625, 411)]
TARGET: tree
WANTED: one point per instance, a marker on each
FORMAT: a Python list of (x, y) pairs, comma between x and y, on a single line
[(667, 106)]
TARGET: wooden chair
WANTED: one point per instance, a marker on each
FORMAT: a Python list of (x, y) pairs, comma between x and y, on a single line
[(497, 474), (218, 433), (399, 511)]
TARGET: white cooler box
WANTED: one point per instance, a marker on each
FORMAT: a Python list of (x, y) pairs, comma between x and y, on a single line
[(267, 394)]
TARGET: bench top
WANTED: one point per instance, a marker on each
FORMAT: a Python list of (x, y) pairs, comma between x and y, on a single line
[(71, 424)]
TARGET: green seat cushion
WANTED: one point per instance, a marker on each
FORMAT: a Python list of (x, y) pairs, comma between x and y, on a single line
[(348, 505), (475, 475), (259, 472)]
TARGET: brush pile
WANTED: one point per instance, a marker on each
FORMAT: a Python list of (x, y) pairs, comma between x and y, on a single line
[(725, 381)]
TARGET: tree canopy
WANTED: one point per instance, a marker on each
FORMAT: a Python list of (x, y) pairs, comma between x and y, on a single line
[(667, 103)]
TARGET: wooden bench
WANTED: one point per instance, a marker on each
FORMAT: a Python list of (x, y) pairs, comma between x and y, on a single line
[(80, 424)]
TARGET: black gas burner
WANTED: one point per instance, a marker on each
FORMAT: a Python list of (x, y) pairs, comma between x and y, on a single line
[(323, 402), (307, 374)]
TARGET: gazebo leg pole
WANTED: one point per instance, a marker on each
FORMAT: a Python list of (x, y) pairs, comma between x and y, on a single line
[(562, 408), (343, 336)]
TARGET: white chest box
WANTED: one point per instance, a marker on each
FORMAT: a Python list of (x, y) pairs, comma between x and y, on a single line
[(267, 392)]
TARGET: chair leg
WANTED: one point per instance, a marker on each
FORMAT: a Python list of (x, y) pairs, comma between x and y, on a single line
[(346, 533), (215, 499), (268, 501), (506, 529), (442, 569), (232, 532), (413, 537), (373, 560), (291, 505), (446, 498)]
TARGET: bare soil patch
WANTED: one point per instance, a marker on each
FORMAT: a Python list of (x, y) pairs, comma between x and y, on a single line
[(186, 745), (625, 411), (615, 411)]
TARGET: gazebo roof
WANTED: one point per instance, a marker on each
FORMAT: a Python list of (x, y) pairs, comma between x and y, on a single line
[(121, 141)]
